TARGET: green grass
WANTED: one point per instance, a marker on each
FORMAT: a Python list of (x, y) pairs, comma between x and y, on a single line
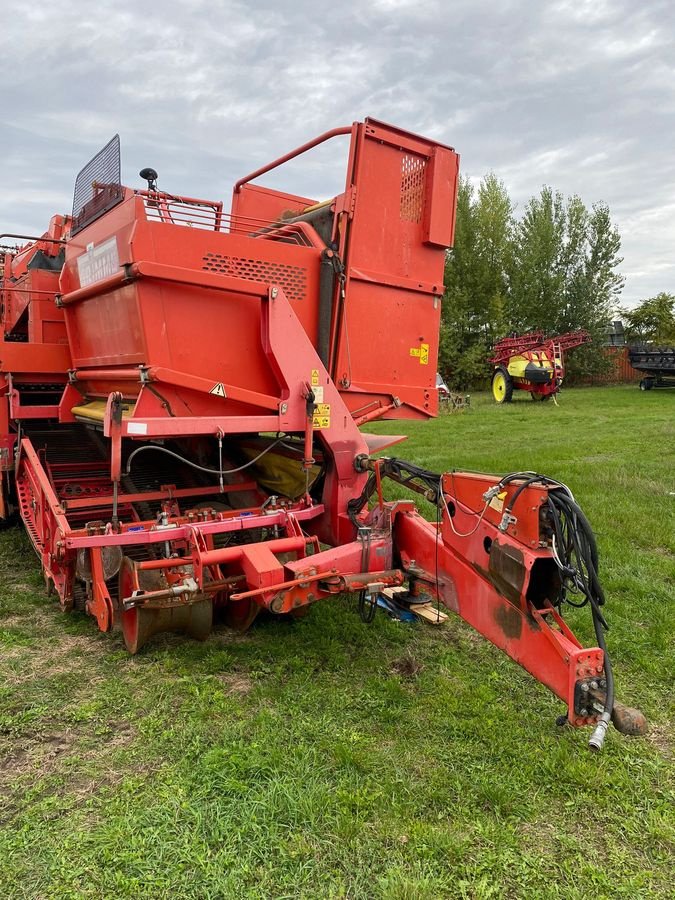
[(296, 760)]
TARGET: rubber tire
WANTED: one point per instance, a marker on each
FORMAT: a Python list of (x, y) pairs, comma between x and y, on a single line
[(646, 384), (502, 385), (540, 398)]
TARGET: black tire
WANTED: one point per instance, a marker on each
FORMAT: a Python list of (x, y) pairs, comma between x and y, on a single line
[(501, 372), (646, 384)]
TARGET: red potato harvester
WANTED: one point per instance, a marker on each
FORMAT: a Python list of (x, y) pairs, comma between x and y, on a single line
[(182, 395)]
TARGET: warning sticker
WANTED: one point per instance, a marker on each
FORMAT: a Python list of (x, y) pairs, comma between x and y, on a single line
[(218, 389), (422, 353), (319, 422), (497, 503), (98, 262), (322, 409), (315, 377)]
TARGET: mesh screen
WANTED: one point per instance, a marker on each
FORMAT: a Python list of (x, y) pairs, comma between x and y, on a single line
[(98, 186), (412, 187), (292, 279)]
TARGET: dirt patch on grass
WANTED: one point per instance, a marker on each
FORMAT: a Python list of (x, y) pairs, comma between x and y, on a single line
[(67, 654), (34, 755), (68, 757), (37, 754), (661, 737), (407, 666), (237, 685)]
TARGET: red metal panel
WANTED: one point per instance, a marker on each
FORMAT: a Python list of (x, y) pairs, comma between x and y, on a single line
[(160, 320), (253, 206), (441, 194), (394, 278)]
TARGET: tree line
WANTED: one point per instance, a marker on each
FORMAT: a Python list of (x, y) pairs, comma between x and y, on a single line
[(553, 268)]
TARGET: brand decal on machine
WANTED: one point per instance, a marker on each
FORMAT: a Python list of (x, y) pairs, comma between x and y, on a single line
[(98, 262)]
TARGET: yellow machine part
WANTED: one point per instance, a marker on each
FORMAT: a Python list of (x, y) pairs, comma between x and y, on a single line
[(94, 411), (517, 364), (279, 473)]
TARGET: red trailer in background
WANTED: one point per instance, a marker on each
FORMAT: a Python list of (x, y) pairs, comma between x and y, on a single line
[(182, 394)]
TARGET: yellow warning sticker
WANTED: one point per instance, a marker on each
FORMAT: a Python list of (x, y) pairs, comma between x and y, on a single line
[(421, 353), (319, 422), (322, 409), (497, 503), (315, 377)]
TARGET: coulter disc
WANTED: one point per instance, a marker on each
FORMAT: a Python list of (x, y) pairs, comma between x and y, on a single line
[(139, 624)]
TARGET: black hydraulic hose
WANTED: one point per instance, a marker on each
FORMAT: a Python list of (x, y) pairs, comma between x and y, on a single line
[(574, 542), (326, 294)]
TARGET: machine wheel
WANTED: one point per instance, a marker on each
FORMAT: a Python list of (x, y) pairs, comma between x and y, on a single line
[(139, 624), (646, 384), (540, 397), (502, 385)]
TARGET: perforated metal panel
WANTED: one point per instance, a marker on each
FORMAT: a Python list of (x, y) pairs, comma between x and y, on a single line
[(98, 186), (412, 187), (292, 279)]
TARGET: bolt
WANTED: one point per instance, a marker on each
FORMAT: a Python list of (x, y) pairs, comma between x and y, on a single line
[(284, 408), (584, 687), (584, 712), (594, 685), (273, 293)]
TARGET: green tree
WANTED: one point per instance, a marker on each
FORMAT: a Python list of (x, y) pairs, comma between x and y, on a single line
[(475, 280), (536, 265), (652, 320), (563, 273)]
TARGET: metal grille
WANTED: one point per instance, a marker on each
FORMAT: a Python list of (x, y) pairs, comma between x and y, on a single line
[(292, 279), (412, 187), (98, 186)]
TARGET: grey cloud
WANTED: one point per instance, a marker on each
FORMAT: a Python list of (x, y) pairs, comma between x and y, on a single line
[(579, 95)]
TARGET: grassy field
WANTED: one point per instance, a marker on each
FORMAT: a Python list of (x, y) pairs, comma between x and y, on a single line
[(326, 758)]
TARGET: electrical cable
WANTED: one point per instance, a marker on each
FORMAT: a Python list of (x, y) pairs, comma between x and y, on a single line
[(480, 515), (188, 462)]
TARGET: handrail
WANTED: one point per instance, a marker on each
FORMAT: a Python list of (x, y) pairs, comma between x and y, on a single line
[(326, 136)]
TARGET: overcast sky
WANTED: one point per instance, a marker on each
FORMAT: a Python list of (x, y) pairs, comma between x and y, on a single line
[(578, 95)]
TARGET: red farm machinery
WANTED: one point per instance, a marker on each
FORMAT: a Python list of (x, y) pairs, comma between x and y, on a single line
[(183, 390), (532, 362)]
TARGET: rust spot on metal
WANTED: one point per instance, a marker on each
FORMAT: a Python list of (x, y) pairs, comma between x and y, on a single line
[(509, 620), (507, 570)]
